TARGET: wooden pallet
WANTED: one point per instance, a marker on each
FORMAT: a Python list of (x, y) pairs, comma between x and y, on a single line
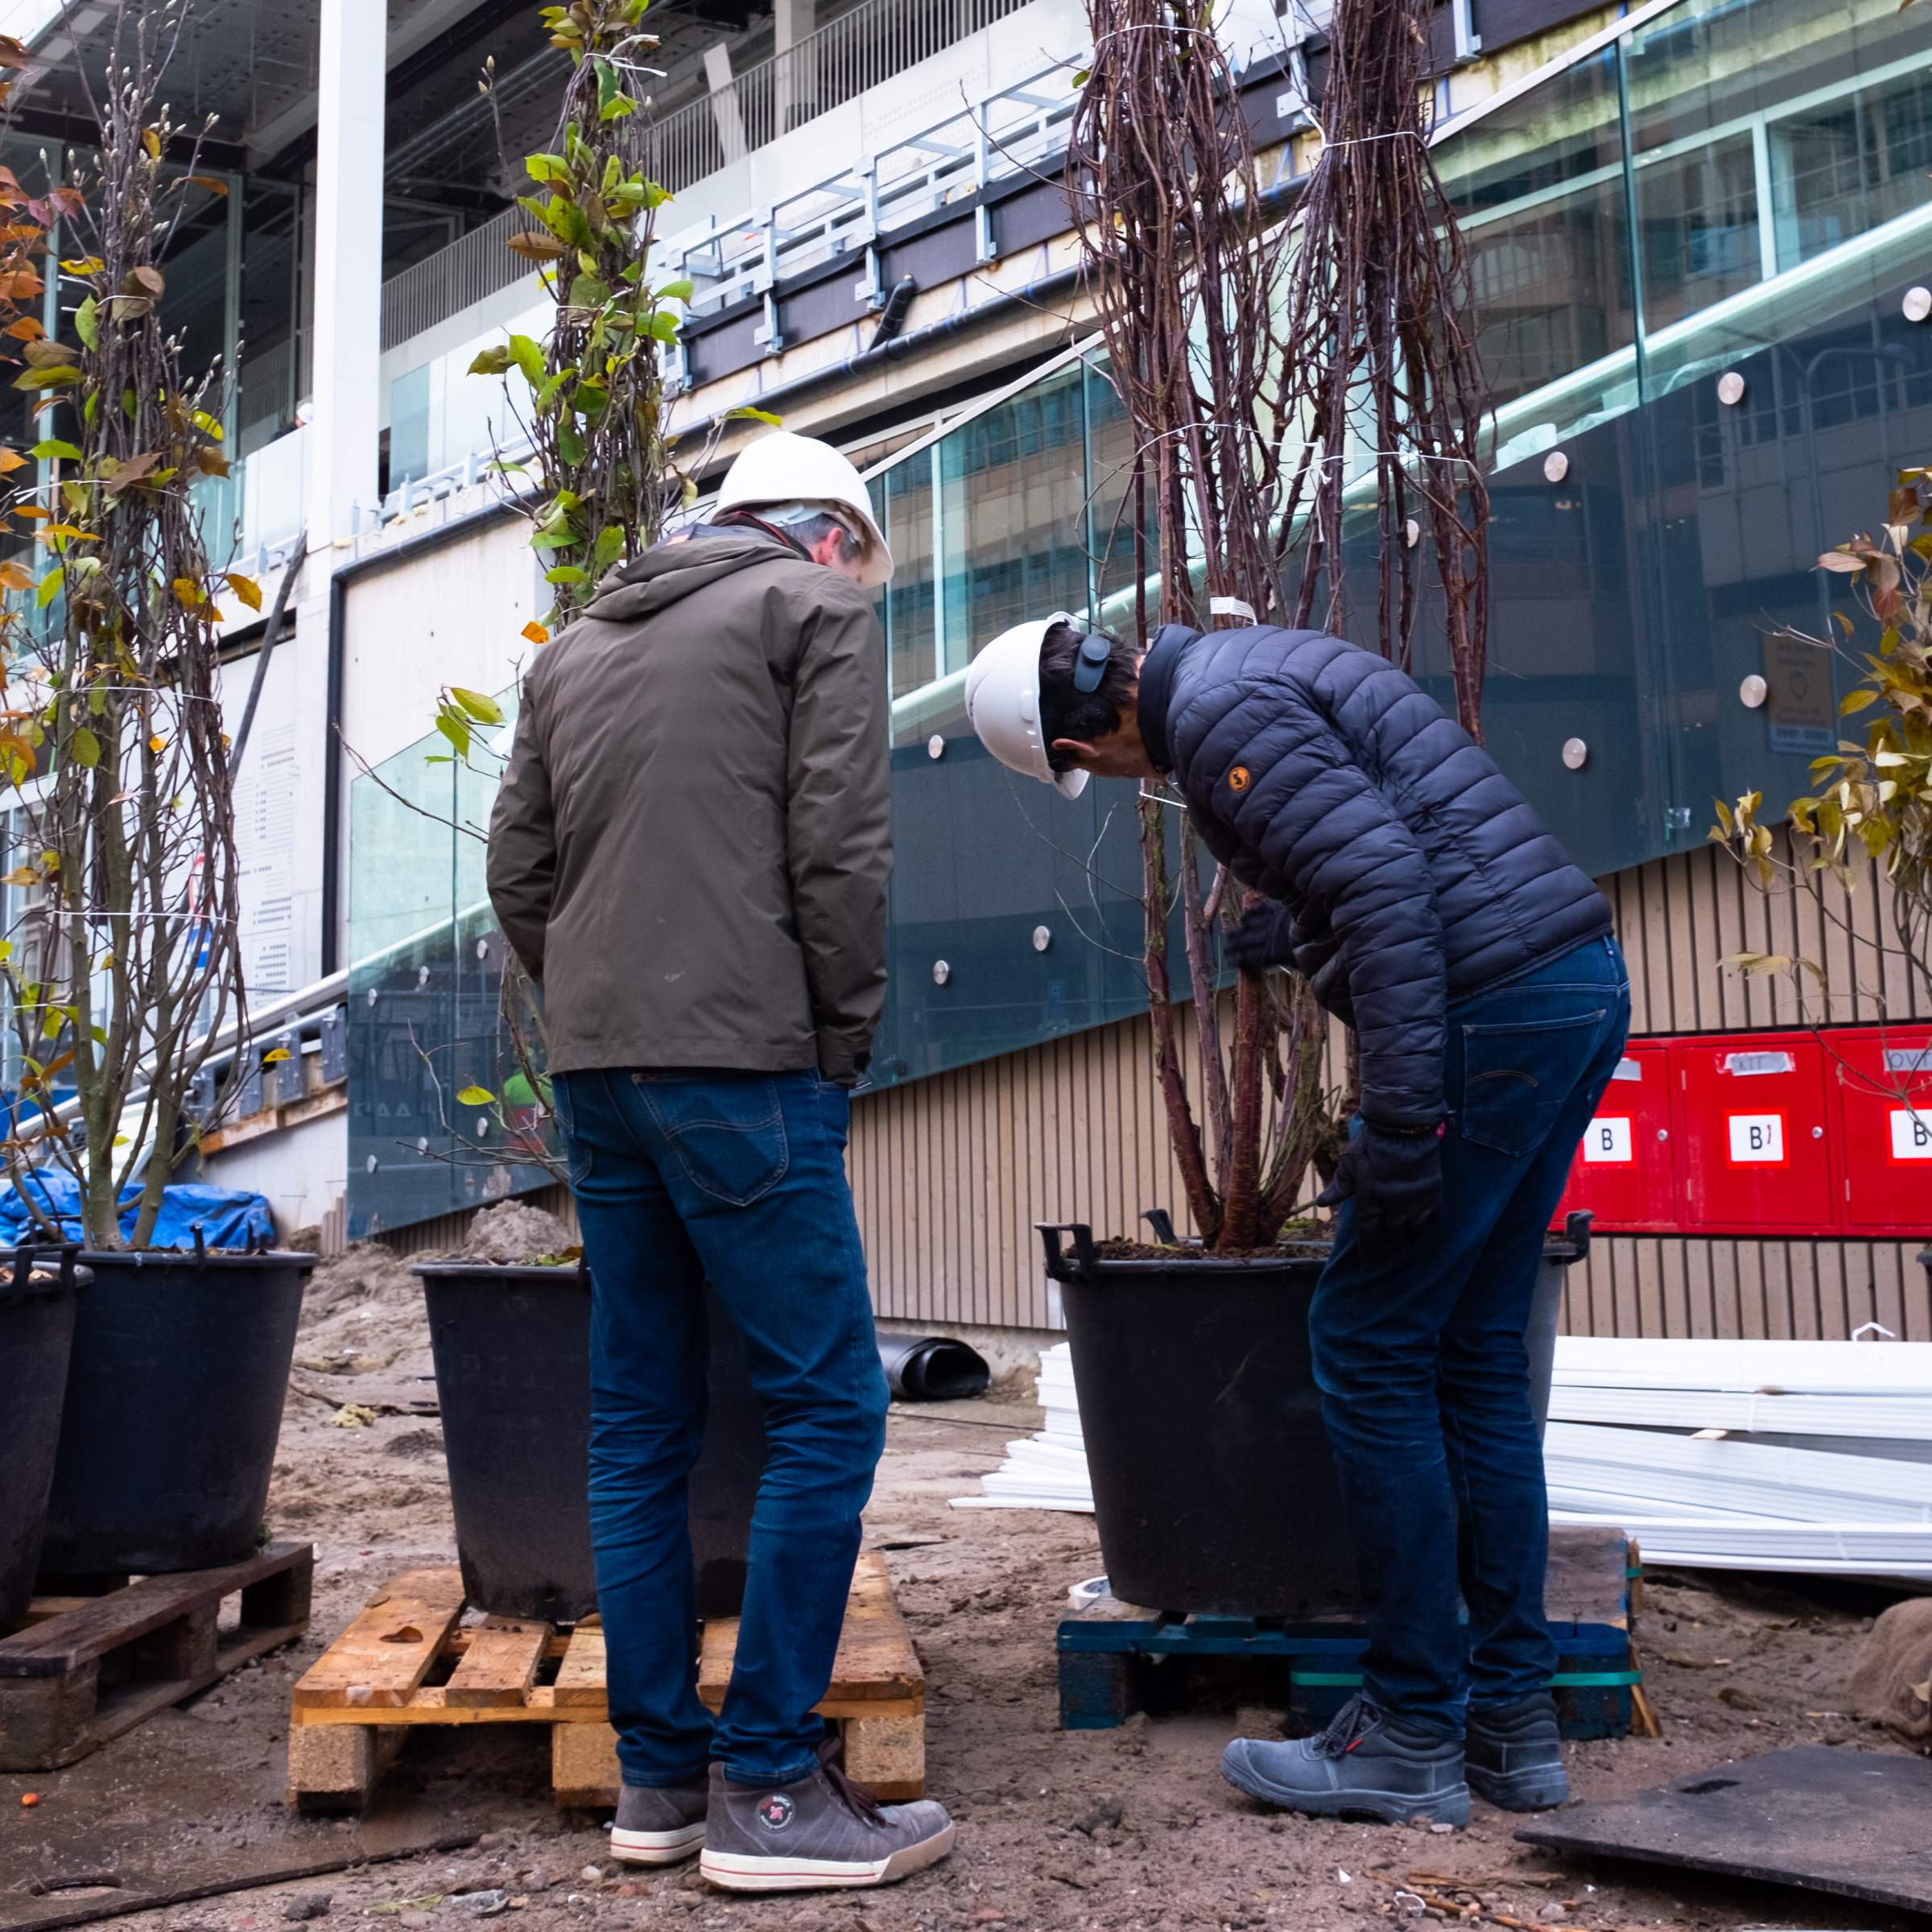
[(83, 1669), (410, 1658), (1116, 1659)]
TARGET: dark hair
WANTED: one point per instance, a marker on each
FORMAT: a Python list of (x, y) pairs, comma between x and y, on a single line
[(1085, 714)]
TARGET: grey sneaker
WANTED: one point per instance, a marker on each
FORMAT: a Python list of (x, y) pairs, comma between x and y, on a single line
[(1514, 1757), (1368, 1763), (659, 1824), (822, 1832)]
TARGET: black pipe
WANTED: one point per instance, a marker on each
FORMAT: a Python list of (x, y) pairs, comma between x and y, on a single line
[(892, 317)]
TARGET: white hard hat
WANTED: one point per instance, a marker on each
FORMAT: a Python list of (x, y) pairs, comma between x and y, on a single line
[(781, 468), (1003, 702)]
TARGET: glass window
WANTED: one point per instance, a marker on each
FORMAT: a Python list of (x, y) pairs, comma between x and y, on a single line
[(1012, 514), (910, 631)]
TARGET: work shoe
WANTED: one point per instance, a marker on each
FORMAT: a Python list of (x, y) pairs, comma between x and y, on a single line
[(821, 1832), (659, 1824), (1513, 1756), (1368, 1763)]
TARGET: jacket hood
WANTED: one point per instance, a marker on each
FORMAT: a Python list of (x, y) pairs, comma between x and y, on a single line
[(669, 571)]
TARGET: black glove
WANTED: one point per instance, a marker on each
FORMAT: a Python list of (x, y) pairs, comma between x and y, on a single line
[(1395, 1179), (1261, 939)]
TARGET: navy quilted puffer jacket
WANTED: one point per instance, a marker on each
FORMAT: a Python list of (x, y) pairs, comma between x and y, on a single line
[(1413, 872)]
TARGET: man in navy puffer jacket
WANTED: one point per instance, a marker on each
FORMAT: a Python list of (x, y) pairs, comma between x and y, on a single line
[(1436, 916)]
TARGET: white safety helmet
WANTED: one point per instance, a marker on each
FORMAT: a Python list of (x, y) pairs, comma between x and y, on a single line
[(1003, 702), (781, 468)]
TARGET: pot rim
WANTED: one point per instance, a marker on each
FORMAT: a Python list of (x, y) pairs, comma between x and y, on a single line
[(184, 1257), (575, 1273)]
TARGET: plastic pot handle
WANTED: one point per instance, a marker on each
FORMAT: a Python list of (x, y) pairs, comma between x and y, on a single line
[(1057, 1264)]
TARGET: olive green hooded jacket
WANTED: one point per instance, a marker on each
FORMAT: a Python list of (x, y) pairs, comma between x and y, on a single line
[(690, 848)]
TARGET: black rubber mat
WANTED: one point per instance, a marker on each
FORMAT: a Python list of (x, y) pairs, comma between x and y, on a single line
[(1856, 1823)]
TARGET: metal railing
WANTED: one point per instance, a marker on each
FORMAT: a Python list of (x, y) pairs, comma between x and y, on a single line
[(446, 282), (861, 49), (1020, 127)]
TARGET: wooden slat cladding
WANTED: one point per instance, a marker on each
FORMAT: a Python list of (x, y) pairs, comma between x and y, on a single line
[(952, 1173)]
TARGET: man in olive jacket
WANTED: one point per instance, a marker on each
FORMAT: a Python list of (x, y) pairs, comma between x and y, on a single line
[(689, 854)]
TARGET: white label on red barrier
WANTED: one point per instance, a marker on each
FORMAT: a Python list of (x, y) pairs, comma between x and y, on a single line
[(1912, 1134), (1608, 1142), (1749, 1063), (1757, 1137), (1628, 1069)]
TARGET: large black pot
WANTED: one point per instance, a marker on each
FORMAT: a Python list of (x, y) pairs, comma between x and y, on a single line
[(174, 1402), (512, 1350), (1214, 1489), (37, 1299)]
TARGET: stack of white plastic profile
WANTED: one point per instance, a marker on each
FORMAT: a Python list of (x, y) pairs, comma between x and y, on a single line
[(1801, 1456), (1047, 1471)]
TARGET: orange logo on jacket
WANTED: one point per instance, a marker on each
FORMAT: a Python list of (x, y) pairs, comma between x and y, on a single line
[(1237, 779)]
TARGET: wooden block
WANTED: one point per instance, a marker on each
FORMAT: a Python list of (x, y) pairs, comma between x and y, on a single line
[(281, 1601), (180, 1652), (387, 1652), (875, 1661), (499, 1664), (580, 1676), (887, 1754), (1587, 1580), (334, 1767), (584, 1765), (46, 1722)]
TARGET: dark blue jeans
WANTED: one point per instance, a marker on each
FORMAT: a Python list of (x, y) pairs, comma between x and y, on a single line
[(1423, 1371), (739, 1180)]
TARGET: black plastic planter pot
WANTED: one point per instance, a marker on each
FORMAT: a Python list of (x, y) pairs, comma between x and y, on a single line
[(174, 1402), (512, 1349), (37, 1300), (1214, 1490)]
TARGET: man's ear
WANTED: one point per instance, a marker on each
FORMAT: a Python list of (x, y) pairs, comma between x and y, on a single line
[(1075, 749)]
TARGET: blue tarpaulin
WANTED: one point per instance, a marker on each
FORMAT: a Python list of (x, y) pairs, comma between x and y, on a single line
[(227, 1219)]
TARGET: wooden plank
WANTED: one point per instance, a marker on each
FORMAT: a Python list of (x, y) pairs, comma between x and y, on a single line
[(876, 1660), (384, 1655), (580, 1675), (335, 1770), (499, 1664), (887, 1755), (88, 1630), (430, 1706)]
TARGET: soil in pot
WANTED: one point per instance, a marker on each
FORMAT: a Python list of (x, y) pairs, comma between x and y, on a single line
[(512, 1348), (37, 1303), (174, 1402), (1214, 1488)]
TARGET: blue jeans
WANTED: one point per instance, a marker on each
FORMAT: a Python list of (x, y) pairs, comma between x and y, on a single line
[(1420, 1359), (738, 1179)]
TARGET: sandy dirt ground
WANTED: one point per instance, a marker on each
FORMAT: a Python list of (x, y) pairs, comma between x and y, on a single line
[(1128, 1829)]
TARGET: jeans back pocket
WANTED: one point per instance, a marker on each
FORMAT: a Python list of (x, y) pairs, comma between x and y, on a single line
[(1517, 1076), (728, 1135)]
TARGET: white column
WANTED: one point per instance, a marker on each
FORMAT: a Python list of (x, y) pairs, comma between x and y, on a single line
[(792, 22), (342, 437), (724, 102)]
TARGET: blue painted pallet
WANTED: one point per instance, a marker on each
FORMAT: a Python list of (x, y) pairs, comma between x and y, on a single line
[(1113, 1662)]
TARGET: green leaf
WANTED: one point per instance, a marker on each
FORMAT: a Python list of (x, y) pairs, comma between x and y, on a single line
[(87, 322), (680, 290), (609, 547), (54, 447), (664, 325), (47, 379), (456, 727), (530, 359), (745, 413), (1857, 700), (50, 588), (484, 710), (475, 1097), (566, 573), (571, 446), (492, 362), (83, 747), (548, 169), (518, 1093)]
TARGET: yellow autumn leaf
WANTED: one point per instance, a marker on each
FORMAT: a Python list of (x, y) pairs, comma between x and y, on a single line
[(157, 743), (535, 633), (246, 588), (275, 1056)]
